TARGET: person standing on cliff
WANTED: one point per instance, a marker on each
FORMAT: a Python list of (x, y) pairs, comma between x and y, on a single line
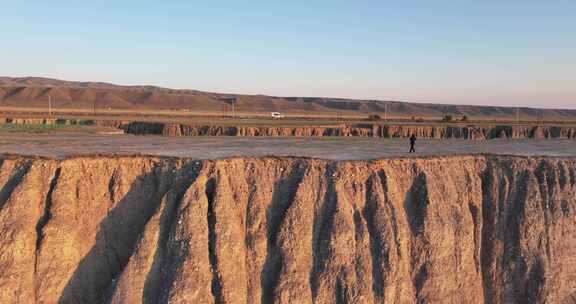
[(412, 143)]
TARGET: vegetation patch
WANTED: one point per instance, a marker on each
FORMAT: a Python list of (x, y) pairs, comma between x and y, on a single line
[(30, 128)]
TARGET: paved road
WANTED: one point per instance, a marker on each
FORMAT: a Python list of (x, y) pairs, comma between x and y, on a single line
[(63, 144)]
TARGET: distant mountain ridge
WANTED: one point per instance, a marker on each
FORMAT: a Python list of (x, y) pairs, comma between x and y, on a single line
[(33, 92)]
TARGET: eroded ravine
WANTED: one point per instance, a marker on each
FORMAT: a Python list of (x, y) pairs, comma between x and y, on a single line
[(455, 131), (470, 130), (455, 229)]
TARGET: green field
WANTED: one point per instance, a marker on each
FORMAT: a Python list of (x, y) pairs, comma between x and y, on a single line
[(30, 128)]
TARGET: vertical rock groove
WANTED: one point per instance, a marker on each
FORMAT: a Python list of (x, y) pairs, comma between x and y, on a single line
[(282, 198), (376, 242), (514, 260), (417, 204), (211, 217), (94, 280), (157, 281), (47, 207), (323, 224), (43, 220), (547, 179), (490, 195), (13, 181), (477, 221), (111, 182)]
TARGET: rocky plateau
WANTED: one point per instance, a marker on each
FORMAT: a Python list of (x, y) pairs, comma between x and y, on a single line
[(142, 229)]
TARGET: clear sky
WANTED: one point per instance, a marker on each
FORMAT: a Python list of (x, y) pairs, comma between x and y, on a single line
[(507, 52)]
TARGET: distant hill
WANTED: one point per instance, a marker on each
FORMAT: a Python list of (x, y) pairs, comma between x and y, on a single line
[(33, 92)]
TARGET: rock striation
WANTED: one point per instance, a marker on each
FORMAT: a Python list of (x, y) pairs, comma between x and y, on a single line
[(457, 229), (360, 130), (455, 131)]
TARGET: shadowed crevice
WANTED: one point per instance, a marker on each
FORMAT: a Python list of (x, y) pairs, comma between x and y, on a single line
[(158, 280), (323, 225), (94, 280), (391, 209), (416, 204), (420, 279), (340, 293), (547, 180), (489, 197), (46, 215), (497, 182), (572, 178), (376, 242), (477, 222), (534, 286), (43, 220), (212, 257), (282, 199), (113, 180), (513, 260), (563, 176), (13, 182)]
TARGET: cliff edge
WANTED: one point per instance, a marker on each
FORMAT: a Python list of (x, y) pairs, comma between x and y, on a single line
[(454, 229)]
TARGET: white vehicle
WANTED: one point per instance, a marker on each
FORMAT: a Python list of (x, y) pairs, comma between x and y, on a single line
[(276, 115)]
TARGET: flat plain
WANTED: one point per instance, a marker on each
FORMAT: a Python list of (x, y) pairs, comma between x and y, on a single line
[(64, 144)]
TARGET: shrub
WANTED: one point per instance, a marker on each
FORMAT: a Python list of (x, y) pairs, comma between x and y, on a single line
[(373, 117), (86, 122), (447, 118)]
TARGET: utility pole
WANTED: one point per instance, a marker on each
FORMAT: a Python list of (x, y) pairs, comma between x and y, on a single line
[(386, 112), (228, 101), (49, 105), (540, 118)]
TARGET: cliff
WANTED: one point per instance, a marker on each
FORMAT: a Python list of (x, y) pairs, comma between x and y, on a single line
[(360, 130), (456, 131), (458, 229)]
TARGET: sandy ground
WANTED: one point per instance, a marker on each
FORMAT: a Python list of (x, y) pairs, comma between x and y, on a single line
[(64, 144)]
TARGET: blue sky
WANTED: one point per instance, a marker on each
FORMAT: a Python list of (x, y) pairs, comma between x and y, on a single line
[(468, 52)]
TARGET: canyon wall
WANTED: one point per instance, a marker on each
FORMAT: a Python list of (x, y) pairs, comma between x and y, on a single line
[(361, 130), (482, 132), (458, 229)]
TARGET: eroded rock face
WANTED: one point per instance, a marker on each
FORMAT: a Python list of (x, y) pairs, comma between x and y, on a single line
[(461, 229), (379, 131), (482, 132)]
